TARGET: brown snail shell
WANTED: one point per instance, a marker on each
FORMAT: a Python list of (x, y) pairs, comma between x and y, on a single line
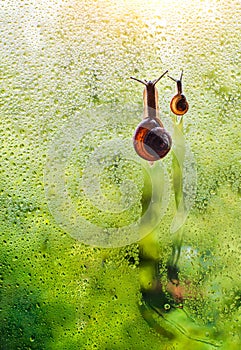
[(179, 104), (151, 141)]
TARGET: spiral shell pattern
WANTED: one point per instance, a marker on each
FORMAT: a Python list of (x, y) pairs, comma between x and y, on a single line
[(151, 141), (179, 104)]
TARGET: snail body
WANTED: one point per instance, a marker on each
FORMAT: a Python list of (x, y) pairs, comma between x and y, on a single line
[(179, 104), (151, 141)]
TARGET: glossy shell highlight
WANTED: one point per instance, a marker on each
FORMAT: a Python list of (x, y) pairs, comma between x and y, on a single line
[(179, 104), (151, 141)]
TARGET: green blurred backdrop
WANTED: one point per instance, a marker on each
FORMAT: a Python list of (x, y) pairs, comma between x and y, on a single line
[(67, 60)]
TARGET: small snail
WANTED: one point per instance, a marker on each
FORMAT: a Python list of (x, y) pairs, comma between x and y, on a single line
[(151, 141), (179, 104)]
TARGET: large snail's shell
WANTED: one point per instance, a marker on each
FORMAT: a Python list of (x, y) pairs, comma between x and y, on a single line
[(151, 141), (179, 104)]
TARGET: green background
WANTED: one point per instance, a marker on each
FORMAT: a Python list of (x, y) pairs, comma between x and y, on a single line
[(60, 59)]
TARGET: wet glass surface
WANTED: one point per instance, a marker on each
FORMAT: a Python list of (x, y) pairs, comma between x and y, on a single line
[(99, 248)]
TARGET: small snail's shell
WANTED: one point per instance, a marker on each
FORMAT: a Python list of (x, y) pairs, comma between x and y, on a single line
[(151, 141), (179, 104)]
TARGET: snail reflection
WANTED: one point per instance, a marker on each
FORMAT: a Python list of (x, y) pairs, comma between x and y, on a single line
[(151, 140), (163, 291)]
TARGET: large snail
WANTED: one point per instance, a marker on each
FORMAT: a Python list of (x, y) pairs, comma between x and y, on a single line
[(151, 141), (179, 104)]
